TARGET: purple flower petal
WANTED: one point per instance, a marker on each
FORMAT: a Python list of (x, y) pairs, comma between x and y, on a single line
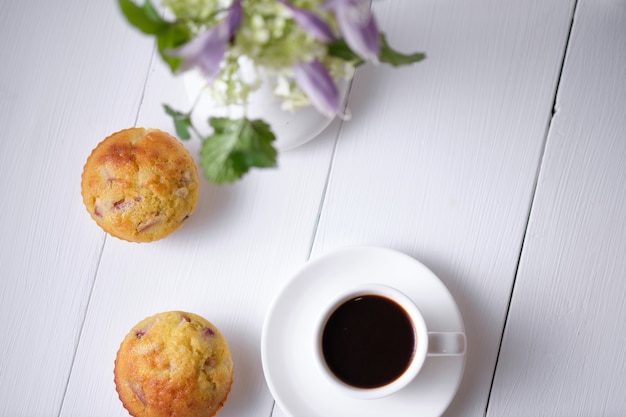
[(311, 23), (207, 50), (358, 26), (317, 84), (234, 18)]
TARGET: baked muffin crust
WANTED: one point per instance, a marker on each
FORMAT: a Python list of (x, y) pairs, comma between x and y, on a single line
[(173, 364), (140, 184)]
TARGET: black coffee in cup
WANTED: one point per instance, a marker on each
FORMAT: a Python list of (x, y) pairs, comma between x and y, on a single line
[(368, 341)]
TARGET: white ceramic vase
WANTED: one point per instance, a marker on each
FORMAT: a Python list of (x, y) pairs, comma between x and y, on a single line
[(292, 128)]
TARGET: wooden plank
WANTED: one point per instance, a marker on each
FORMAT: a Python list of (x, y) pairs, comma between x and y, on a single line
[(225, 264), (563, 350), (440, 159), (64, 84)]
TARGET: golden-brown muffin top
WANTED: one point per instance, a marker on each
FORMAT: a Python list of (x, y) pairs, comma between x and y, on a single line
[(173, 364), (140, 184)]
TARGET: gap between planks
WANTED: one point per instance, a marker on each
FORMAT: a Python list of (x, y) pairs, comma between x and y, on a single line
[(553, 112)]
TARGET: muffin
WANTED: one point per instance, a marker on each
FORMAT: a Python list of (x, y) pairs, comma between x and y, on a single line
[(140, 184), (173, 364)]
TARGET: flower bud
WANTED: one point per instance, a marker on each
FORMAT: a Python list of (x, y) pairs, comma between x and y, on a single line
[(313, 78), (310, 22), (358, 26), (207, 50)]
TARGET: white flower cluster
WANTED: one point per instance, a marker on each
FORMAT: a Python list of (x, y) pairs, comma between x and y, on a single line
[(266, 46)]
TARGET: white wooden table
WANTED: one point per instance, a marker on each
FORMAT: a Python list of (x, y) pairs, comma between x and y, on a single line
[(499, 162)]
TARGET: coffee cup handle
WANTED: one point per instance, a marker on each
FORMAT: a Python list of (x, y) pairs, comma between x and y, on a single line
[(446, 343)]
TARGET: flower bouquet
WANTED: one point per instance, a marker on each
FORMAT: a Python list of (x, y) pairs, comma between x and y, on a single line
[(304, 47)]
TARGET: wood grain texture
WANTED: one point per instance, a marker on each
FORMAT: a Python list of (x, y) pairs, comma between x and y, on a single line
[(563, 351), (64, 85), (225, 264), (440, 159)]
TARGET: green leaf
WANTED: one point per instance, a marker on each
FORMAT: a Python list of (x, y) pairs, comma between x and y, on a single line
[(236, 146), (182, 122), (388, 55), (175, 35), (144, 17), (340, 49), (169, 35), (395, 58)]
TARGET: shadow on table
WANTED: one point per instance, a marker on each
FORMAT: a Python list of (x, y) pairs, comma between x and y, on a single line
[(248, 388), (483, 331), (211, 212)]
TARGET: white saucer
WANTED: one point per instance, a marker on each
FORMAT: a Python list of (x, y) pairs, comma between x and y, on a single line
[(296, 383)]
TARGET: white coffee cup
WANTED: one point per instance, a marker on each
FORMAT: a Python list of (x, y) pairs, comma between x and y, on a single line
[(372, 340)]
